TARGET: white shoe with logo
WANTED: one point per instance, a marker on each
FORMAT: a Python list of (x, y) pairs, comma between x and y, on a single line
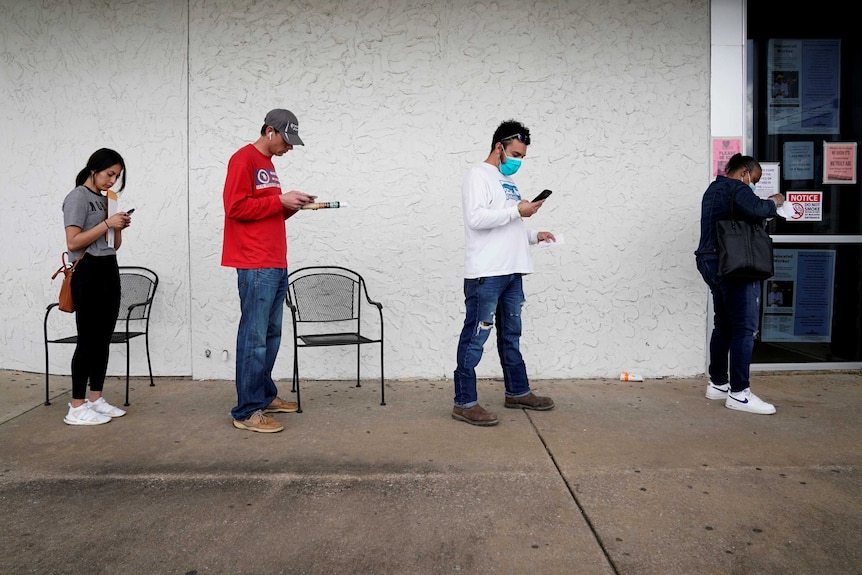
[(83, 415), (746, 401), (714, 391), (105, 408)]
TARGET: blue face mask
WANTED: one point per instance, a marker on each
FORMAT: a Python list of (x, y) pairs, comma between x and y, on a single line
[(750, 183), (510, 166)]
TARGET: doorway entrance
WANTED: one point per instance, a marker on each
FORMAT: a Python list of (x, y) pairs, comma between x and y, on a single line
[(804, 73)]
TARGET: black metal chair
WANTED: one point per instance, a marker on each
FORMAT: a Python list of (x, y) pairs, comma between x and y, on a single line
[(323, 299), (137, 290)]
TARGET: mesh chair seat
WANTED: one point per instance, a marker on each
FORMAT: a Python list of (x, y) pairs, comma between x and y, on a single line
[(116, 337), (334, 339)]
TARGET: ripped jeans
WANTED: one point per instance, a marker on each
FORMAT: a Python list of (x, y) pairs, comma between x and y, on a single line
[(491, 302)]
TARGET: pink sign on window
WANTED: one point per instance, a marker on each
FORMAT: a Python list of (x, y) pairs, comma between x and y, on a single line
[(722, 150)]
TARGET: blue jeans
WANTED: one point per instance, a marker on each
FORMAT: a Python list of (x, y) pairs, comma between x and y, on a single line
[(492, 301), (736, 305), (261, 296)]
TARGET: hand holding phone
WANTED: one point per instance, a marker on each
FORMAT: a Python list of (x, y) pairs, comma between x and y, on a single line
[(543, 195)]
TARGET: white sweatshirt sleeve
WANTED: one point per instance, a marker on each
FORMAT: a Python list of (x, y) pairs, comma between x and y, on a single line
[(481, 211)]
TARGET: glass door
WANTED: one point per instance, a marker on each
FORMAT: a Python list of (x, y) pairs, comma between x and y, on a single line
[(805, 119)]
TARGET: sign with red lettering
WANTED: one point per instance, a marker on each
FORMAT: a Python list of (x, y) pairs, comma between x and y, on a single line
[(839, 162), (807, 206)]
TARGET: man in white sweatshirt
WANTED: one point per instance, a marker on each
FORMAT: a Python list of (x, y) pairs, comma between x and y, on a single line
[(497, 255)]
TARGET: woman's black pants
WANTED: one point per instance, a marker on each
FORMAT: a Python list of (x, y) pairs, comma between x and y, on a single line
[(96, 291)]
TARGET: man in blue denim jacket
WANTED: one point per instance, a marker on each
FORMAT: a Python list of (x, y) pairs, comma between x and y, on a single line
[(736, 302)]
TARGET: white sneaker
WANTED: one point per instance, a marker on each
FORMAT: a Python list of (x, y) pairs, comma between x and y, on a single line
[(105, 408), (83, 415), (746, 401), (717, 391)]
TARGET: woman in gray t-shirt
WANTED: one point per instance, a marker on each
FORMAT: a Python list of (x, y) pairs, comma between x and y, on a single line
[(95, 283)]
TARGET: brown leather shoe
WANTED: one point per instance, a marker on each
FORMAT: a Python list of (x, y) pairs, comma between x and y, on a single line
[(259, 422), (475, 415), (530, 401), (279, 405)]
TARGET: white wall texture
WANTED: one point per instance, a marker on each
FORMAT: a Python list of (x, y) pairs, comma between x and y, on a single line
[(395, 100)]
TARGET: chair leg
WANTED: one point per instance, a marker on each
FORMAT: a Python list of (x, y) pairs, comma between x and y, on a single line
[(382, 388), (127, 369), (149, 365), (47, 387), (295, 387), (358, 363)]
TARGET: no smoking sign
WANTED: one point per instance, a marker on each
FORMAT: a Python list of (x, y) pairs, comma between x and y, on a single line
[(807, 206)]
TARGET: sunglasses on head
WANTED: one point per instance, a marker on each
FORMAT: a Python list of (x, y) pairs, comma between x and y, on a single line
[(523, 139)]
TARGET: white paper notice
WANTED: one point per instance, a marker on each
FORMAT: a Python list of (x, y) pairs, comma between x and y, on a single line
[(546, 244), (112, 209), (785, 210), (769, 179)]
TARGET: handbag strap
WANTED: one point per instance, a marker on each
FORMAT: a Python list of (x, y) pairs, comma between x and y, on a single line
[(732, 194), (77, 261), (65, 267)]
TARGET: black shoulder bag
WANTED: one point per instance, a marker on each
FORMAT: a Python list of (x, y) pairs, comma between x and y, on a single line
[(744, 249)]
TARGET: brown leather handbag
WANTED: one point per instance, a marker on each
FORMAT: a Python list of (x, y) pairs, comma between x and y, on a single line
[(66, 302)]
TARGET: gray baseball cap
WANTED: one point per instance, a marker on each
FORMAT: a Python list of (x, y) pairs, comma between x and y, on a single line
[(287, 125)]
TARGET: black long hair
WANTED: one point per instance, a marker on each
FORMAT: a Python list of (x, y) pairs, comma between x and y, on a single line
[(102, 159)]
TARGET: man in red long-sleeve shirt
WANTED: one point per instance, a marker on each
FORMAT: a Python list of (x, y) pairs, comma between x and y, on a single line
[(255, 243)]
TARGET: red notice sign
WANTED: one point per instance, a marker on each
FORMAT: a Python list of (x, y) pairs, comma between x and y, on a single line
[(807, 206)]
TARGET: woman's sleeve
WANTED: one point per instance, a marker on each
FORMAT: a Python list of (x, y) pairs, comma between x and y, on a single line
[(751, 206)]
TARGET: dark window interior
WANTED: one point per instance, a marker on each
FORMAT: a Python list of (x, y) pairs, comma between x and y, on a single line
[(842, 203)]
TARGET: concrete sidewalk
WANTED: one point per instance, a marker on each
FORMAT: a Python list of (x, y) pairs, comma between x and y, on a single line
[(620, 478)]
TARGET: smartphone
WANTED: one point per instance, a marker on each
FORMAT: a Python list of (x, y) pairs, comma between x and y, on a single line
[(130, 212), (543, 195)]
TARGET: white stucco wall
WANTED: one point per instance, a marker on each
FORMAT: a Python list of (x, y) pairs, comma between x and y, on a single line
[(75, 77), (395, 100)]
